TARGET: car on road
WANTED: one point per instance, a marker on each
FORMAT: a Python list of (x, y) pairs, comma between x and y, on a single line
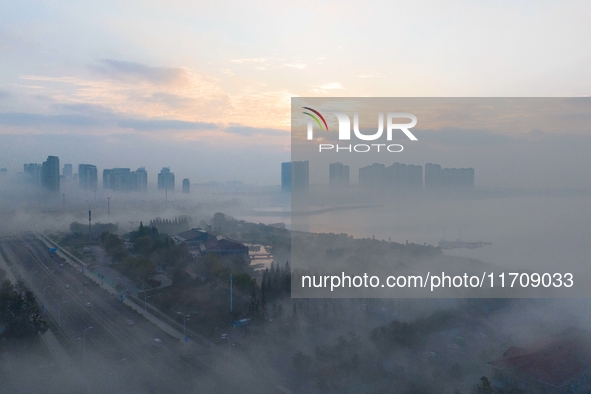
[(88, 305), (67, 286), (80, 292), (130, 322)]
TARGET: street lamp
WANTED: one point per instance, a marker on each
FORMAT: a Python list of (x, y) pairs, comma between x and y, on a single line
[(145, 297), (84, 341), (59, 317), (185, 318), (45, 298), (122, 292), (226, 336)]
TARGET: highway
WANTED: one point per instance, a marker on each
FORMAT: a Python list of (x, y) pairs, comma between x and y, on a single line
[(123, 351)]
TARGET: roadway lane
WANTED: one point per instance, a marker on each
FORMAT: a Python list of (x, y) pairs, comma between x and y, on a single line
[(120, 337), (120, 354)]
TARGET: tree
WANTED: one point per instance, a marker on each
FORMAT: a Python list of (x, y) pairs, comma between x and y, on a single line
[(19, 312), (484, 387)]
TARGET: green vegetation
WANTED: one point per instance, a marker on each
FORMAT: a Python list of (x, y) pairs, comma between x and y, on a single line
[(96, 229), (20, 316), (149, 251), (483, 387), (171, 226), (403, 334)]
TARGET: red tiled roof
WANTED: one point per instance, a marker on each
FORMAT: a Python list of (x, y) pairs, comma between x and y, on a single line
[(553, 360)]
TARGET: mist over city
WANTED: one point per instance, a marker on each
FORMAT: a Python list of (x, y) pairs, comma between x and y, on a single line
[(194, 197)]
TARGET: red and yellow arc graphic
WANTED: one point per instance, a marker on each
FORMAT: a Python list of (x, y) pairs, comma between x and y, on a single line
[(316, 118)]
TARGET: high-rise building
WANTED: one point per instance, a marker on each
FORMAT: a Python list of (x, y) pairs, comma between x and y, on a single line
[(141, 179), (50, 173), (67, 171), (166, 179), (295, 176), (374, 175), (33, 172), (414, 176), (123, 179), (457, 177), (117, 179), (87, 176), (338, 174), (432, 176), (397, 175), (186, 185), (286, 176)]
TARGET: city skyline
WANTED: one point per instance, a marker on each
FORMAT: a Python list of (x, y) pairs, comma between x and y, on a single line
[(313, 197), (107, 92)]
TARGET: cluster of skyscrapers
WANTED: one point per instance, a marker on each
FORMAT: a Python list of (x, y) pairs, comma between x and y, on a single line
[(400, 175), (123, 179), (117, 179), (46, 174), (435, 176), (295, 176)]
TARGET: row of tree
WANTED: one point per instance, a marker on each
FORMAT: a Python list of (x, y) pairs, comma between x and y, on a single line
[(149, 252), (20, 316)]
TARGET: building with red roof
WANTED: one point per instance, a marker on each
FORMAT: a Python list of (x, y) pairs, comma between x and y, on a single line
[(559, 364)]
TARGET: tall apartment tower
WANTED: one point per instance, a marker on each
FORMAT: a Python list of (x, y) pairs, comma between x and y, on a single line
[(87, 177), (141, 179), (432, 176), (33, 171), (398, 175), (414, 176), (67, 171), (123, 179), (50, 173), (375, 175), (166, 179), (286, 177), (295, 176), (186, 185), (338, 174)]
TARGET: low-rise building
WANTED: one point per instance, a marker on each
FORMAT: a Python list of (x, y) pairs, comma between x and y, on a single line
[(559, 364), (201, 243)]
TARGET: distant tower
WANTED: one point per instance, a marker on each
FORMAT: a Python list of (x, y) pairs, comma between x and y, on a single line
[(142, 179), (398, 175), (87, 176), (414, 176), (338, 174), (286, 177), (67, 171), (373, 176), (33, 171), (432, 176), (186, 185), (50, 173), (166, 179), (295, 176)]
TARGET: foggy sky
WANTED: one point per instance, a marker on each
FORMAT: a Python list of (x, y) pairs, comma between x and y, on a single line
[(125, 86)]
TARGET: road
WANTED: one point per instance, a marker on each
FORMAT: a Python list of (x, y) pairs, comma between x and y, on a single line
[(119, 353)]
